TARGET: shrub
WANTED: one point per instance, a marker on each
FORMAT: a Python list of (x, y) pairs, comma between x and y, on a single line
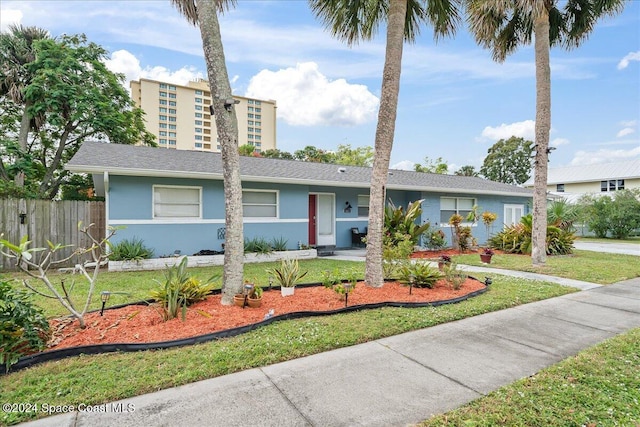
[(435, 239), (258, 245), (516, 239), (130, 250), (279, 244), (422, 275), (288, 274), (397, 222), (23, 326), (395, 248), (179, 290), (454, 277)]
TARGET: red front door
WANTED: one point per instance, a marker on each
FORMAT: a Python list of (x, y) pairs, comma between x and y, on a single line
[(312, 219)]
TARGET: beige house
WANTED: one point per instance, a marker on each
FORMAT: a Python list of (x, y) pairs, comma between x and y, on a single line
[(571, 182), (180, 117)]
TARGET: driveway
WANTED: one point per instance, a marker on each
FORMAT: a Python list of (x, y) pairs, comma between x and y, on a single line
[(613, 247)]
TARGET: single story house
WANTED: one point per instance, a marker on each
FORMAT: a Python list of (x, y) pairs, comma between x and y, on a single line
[(174, 200), (572, 182)]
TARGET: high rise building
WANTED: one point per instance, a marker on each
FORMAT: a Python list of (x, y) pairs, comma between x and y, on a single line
[(180, 117)]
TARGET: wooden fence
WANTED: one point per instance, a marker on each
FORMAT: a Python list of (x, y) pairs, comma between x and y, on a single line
[(56, 221)]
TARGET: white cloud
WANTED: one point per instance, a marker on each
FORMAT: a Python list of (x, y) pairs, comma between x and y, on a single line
[(8, 17), (625, 132), (305, 97), (559, 141), (123, 61), (631, 56), (604, 156), (525, 129), (406, 165)]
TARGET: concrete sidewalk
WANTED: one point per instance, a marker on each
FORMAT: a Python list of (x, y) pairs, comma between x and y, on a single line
[(393, 381)]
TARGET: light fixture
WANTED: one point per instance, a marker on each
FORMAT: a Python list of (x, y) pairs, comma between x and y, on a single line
[(230, 102), (23, 217), (347, 207), (347, 289), (104, 297), (246, 291)]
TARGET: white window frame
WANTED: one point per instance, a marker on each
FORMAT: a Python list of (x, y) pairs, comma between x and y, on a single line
[(512, 208), (362, 206), (457, 210), (174, 187), (254, 190)]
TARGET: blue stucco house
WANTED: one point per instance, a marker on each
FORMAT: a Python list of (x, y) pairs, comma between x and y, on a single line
[(173, 199)]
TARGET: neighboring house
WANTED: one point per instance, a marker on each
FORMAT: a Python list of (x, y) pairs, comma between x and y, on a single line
[(173, 200), (180, 118), (571, 182)]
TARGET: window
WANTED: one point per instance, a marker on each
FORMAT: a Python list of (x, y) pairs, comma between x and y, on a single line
[(198, 145), (163, 117), (163, 102), (172, 111), (198, 92), (172, 87), (172, 142), (199, 101), (162, 141), (163, 110), (172, 126), (260, 204), (250, 136), (258, 130), (163, 125), (198, 130), (612, 185), (249, 129), (163, 94), (199, 122), (250, 101), (163, 133), (172, 119), (250, 116), (198, 137), (258, 138), (176, 202), (249, 108), (455, 205), (258, 123), (560, 188), (163, 85), (258, 103), (363, 205), (172, 103), (258, 110), (172, 95), (250, 122), (198, 107), (199, 115), (258, 116), (172, 135)]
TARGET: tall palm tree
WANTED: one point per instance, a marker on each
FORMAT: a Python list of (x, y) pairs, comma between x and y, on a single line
[(16, 51), (355, 20), (504, 25), (204, 14)]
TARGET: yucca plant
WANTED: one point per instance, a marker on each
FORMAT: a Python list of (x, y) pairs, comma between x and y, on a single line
[(130, 250), (421, 275), (288, 274)]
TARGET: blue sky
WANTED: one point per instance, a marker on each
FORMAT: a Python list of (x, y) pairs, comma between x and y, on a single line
[(455, 102)]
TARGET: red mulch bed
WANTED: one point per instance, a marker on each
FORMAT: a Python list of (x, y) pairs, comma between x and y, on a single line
[(143, 324)]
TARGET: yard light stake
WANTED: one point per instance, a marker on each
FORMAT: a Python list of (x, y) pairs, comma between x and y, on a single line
[(247, 290), (347, 288), (488, 281), (411, 280), (270, 282), (104, 296)]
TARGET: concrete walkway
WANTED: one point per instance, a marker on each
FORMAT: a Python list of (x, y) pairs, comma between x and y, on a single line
[(393, 381), (610, 247)]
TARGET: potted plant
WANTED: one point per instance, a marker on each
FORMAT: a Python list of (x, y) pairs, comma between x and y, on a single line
[(287, 275), (444, 261), (486, 255), (255, 297)]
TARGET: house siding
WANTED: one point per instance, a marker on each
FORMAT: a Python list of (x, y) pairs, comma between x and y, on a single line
[(130, 201)]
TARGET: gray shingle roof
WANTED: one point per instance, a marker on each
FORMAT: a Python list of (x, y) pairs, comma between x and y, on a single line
[(118, 159)]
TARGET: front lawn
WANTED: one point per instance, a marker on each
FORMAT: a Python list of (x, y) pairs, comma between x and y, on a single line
[(103, 378), (594, 267), (598, 387)]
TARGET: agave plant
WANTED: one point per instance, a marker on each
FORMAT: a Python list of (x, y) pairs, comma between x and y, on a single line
[(288, 274)]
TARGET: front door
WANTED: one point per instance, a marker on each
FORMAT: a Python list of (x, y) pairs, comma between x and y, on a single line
[(313, 200), (322, 221)]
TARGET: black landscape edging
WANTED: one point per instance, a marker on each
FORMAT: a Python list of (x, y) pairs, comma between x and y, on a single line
[(52, 355)]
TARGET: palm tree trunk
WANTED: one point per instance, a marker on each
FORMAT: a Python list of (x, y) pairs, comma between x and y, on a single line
[(543, 127), (384, 139), (227, 126)]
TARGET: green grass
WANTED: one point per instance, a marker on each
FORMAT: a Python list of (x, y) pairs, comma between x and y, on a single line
[(122, 375), (598, 387), (587, 266), (136, 285)]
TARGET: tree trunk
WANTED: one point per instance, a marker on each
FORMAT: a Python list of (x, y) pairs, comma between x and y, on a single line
[(543, 127), (227, 125), (384, 139)]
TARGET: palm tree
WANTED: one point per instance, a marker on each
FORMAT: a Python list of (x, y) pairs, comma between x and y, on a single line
[(355, 20), (504, 25), (16, 51), (204, 14)]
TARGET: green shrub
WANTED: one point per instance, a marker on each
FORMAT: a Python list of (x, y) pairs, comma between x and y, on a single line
[(130, 250), (288, 274), (258, 245), (179, 290), (23, 326), (422, 275), (279, 244), (516, 239), (454, 277), (398, 222), (435, 239), (394, 249)]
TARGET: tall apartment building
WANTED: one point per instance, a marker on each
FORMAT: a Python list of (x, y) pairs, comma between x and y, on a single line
[(180, 118)]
